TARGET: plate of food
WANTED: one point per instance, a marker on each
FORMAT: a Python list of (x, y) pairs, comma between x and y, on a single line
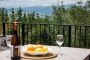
[(37, 50)]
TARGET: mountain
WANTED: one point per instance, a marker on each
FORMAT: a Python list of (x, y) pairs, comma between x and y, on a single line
[(39, 9), (42, 10)]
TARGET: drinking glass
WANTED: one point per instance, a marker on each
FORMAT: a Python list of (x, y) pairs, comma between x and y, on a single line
[(59, 41), (8, 41)]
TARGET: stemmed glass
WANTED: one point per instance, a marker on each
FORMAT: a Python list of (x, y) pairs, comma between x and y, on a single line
[(8, 41), (59, 41)]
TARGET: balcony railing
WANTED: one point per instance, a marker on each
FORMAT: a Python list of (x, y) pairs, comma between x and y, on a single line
[(37, 33)]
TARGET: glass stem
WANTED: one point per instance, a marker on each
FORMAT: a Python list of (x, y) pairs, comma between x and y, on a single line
[(59, 46), (60, 51)]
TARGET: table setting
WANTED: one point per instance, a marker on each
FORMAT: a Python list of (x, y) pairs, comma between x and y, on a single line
[(42, 52), (47, 52), (39, 52)]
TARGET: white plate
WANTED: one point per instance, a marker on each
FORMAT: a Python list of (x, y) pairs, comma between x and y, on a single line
[(37, 53)]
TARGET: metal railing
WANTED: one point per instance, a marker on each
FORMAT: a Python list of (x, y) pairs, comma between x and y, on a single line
[(37, 33)]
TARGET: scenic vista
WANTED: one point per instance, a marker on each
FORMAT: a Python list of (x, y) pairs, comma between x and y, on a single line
[(44, 29), (41, 7), (43, 20)]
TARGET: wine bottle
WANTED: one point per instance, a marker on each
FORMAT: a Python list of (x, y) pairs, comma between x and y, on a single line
[(15, 43)]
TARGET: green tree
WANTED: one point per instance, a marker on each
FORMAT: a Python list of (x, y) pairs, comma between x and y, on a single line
[(12, 15), (88, 4), (59, 13), (19, 13), (78, 15), (24, 18)]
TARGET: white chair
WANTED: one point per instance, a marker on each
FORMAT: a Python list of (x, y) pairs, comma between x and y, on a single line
[(2, 40), (8, 40)]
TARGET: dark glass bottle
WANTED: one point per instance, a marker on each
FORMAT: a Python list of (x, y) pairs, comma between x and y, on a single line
[(15, 43)]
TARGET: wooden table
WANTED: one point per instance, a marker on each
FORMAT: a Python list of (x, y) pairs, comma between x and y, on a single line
[(69, 53)]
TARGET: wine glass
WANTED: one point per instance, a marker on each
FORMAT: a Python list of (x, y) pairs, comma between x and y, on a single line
[(59, 41), (8, 41)]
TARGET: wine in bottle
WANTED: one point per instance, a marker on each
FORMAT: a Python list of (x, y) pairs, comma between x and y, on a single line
[(15, 43)]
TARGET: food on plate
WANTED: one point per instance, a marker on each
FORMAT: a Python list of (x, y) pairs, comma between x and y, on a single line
[(45, 48), (37, 48), (31, 48)]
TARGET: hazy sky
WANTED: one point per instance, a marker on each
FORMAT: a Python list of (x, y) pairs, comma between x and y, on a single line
[(27, 3)]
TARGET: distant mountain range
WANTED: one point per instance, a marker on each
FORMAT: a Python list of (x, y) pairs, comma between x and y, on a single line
[(42, 10)]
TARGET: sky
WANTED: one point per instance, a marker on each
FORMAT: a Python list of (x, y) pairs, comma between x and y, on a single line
[(29, 3)]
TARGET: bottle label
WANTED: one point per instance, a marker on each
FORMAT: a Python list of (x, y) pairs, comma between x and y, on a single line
[(15, 50)]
